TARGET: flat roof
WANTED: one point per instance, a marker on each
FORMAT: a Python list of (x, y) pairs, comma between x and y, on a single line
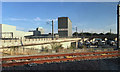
[(65, 17), (8, 25)]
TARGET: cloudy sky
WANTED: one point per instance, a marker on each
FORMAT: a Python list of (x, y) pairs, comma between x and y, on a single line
[(87, 16)]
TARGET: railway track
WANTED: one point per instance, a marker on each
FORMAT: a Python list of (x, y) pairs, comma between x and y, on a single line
[(40, 59)]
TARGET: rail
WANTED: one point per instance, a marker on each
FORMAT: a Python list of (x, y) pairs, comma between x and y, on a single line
[(56, 55), (57, 58)]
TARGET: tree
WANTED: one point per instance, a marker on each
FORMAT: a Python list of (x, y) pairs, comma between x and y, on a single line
[(101, 34), (87, 34), (75, 34), (94, 34), (108, 33), (50, 34), (80, 34)]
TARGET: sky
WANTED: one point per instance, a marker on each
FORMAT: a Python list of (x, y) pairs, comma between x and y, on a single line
[(87, 16), (60, 0)]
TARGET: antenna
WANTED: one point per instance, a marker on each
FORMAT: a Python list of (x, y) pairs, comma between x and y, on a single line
[(110, 31)]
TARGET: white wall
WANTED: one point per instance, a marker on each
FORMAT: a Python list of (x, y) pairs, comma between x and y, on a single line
[(69, 27), (9, 28), (21, 33)]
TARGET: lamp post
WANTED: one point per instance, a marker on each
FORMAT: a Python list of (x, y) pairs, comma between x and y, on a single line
[(52, 30), (76, 33), (118, 26)]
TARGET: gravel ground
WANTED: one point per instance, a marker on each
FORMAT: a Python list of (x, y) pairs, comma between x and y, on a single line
[(101, 64)]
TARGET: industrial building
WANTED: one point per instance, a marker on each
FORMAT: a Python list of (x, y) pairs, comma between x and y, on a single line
[(38, 31), (9, 31), (64, 27)]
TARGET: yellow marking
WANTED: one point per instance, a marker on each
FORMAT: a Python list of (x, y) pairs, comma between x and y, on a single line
[(68, 56)]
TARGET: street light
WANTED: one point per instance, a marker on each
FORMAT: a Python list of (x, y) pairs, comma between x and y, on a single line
[(52, 29), (76, 32)]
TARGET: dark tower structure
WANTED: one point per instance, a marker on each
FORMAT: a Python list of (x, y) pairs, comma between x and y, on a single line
[(64, 27)]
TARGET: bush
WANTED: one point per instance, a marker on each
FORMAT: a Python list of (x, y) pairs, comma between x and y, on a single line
[(82, 46), (56, 46), (45, 49), (72, 47)]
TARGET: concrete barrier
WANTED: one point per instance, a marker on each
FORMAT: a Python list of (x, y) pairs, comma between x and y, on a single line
[(7, 43)]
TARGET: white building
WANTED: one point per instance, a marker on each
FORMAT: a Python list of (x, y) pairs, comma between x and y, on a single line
[(40, 29), (8, 31)]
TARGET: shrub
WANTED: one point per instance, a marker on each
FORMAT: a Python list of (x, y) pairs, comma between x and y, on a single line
[(82, 46), (56, 46), (72, 47), (45, 49)]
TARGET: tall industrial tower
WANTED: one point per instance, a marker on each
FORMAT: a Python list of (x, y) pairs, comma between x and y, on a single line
[(64, 27), (118, 24)]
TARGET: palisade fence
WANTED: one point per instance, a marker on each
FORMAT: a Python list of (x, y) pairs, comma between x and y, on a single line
[(19, 41)]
